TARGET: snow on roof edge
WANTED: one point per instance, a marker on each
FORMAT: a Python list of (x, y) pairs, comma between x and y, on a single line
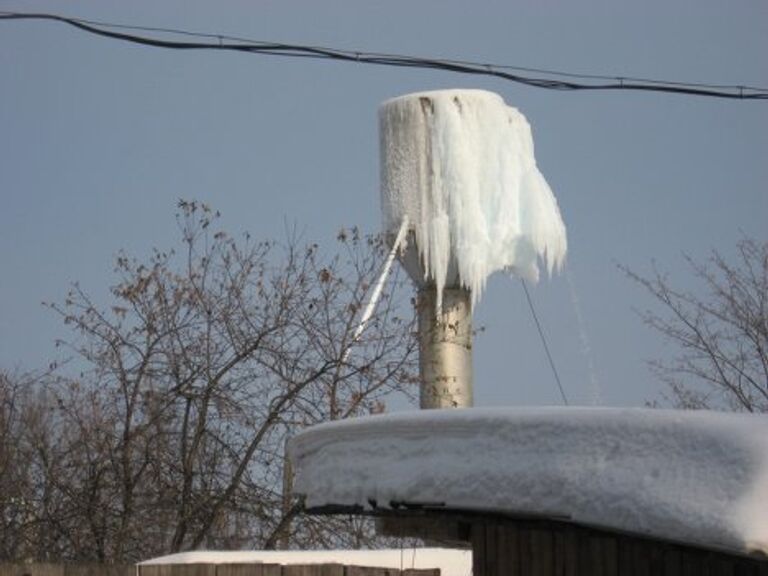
[(697, 478), (452, 562)]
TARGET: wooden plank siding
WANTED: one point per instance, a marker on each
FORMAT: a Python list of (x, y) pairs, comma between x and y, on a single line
[(67, 570), (276, 570), (205, 570), (539, 548), (314, 570)]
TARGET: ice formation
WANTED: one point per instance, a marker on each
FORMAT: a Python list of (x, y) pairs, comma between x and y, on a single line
[(695, 477), (460, 165)]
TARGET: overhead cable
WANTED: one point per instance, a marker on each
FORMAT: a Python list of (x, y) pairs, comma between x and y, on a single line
[(548, 79)]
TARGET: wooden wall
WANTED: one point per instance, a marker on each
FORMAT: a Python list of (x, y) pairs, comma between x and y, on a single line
[(276, 570), (67, 570), (510, 548), (203, 570)]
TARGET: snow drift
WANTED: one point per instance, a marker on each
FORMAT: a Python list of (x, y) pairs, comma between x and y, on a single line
[(459, 164), (695, 477)]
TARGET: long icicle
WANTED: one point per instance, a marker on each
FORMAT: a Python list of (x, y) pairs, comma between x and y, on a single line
[(371, 306)]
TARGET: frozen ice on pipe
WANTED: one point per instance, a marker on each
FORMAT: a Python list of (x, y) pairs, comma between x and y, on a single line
[(459, 165)]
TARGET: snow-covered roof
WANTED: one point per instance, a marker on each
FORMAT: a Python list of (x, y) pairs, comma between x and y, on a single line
[(451, 562), (699, 478)]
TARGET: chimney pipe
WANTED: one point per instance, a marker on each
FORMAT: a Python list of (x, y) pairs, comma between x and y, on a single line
[(445, 348)]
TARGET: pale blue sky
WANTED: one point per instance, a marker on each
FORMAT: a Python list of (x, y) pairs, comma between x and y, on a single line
[(98, 140)]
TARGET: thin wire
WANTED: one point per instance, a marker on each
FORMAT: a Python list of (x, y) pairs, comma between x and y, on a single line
[(544, 342), (504, 72)]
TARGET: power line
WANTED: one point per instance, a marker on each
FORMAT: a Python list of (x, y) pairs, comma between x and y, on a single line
[(544, 342), (548, 79)]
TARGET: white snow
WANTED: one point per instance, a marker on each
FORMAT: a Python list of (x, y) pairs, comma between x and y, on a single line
[(460, 165), (694, 477), (451, 562)]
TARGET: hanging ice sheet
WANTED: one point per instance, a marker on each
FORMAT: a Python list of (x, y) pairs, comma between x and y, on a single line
[(460, 165)]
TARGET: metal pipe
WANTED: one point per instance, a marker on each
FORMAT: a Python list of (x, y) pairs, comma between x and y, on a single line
[(445, 348)]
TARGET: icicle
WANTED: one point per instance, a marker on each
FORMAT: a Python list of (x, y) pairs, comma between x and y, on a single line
[(376, 294), (460, 165)]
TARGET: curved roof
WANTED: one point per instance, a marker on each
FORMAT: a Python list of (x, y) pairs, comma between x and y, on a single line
[(699, 478)]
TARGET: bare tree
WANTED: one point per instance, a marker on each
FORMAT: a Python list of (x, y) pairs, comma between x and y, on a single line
[(28, 456), (15, 475), (722, 334), (190, 382)]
